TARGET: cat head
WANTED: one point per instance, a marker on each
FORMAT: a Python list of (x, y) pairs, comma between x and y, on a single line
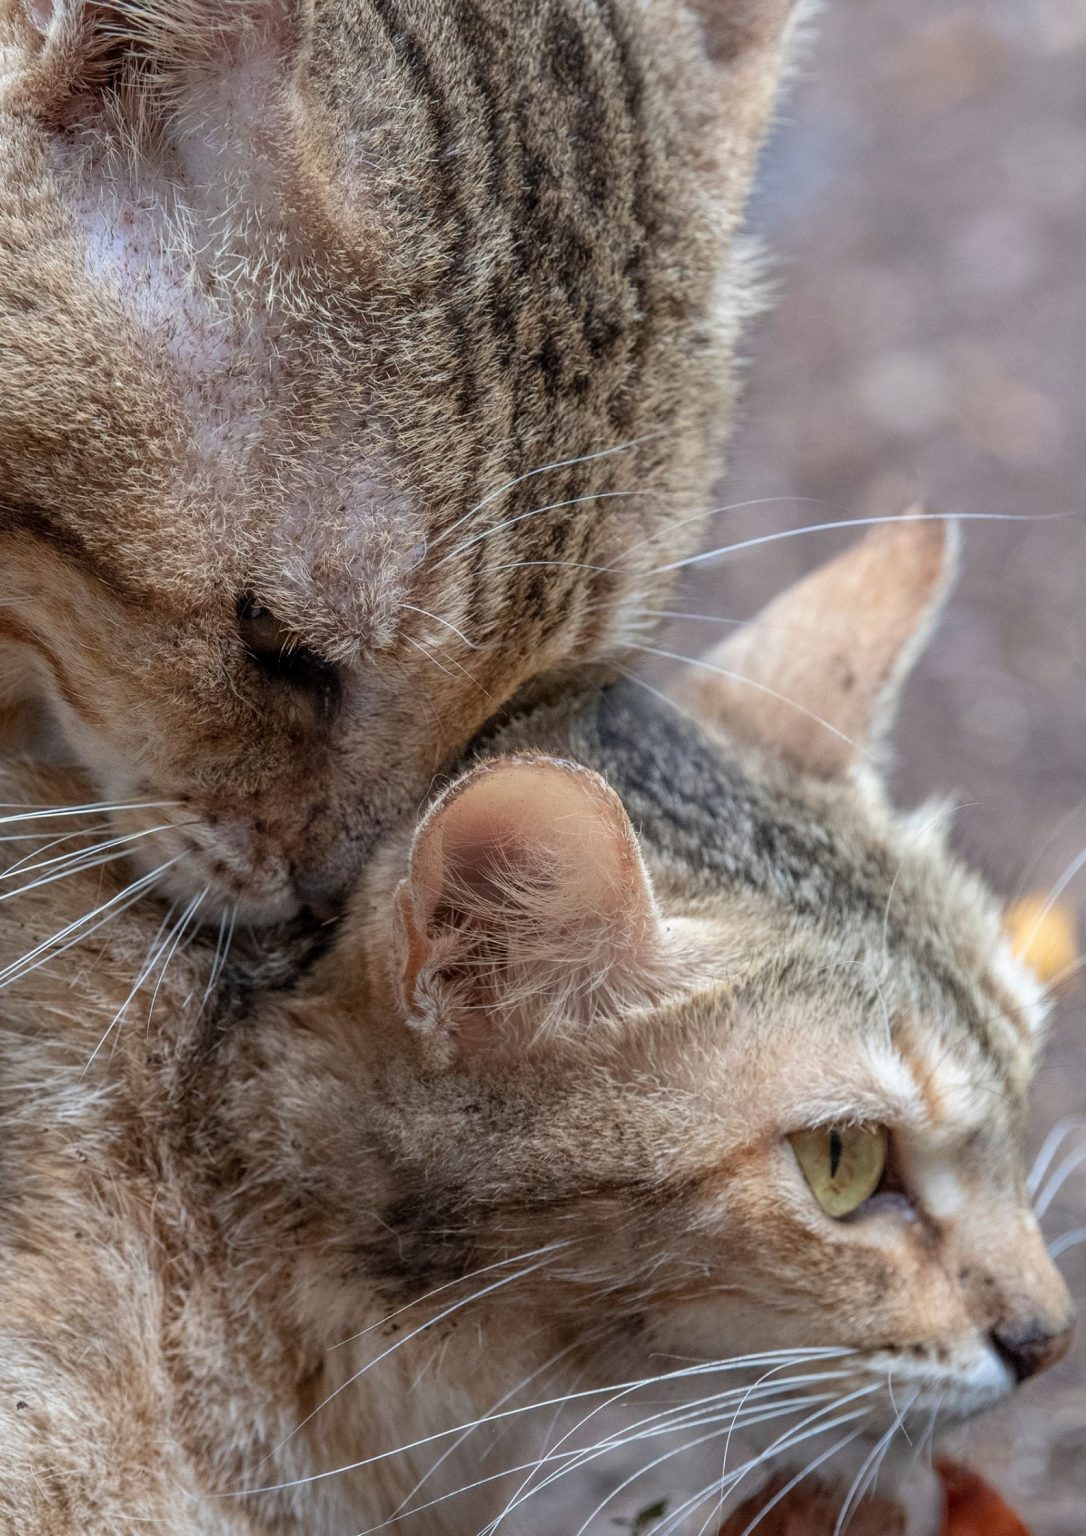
[(685, 1005), (352, 359)]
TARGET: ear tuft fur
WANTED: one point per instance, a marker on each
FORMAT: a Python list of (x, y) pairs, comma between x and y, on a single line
[(526, 897)]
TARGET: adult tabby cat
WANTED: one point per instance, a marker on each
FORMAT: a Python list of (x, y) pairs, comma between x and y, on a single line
[(584, 1104), (353, 355)]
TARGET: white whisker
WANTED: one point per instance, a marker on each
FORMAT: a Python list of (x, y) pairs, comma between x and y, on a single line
[(1076, 864), (777, 1448), (552, 506), (740, 1363), (156, 950), (801, 1476), (757, 1416), (1068, 1241), (542, 469), (1051, 1145), (850, 522), (53, 842), (22, 866), (871, 1463), (1058, 1179), (79, 864), (749, 682), (437, 619), (495, 1407), (179, 933), (48, 948), (723, 1487), (705, 513), (457, 1306), (227, 925), (438, 1290), (418, 646), (80, 810)]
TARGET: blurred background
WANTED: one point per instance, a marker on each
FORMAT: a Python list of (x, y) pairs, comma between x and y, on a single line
[(924, 198)]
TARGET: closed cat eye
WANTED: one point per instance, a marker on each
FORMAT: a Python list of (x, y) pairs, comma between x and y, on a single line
[(280, 654), (843, 1164)]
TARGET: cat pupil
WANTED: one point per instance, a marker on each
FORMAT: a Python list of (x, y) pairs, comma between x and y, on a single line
[(836, 1149)]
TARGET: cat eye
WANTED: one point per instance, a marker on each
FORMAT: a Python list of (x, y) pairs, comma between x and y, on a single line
[(280, 654), (843, 1164)]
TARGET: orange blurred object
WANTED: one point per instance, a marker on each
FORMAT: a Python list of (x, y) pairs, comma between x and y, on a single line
[(1043, 934), (973, 1509)]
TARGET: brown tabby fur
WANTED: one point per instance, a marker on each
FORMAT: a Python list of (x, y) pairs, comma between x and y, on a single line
[(293, 297), (551, 1127)]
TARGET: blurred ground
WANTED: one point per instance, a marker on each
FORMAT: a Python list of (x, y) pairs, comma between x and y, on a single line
[(925, 198)]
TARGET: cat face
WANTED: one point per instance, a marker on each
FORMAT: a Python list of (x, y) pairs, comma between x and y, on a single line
[(352, 360), (754, 1072)]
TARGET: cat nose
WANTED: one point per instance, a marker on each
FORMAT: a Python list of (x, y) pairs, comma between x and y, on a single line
[(1030, 1349), (320, 898)]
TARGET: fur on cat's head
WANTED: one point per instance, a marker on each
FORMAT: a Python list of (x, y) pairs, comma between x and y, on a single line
[(631, 957), (294, 300), (525, 1130)]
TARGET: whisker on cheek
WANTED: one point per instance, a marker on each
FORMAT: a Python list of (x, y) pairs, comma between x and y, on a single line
[(156, 950), (50, 812), (542, 469), (31, 861), (77, 931), (750, 682), (870, 1467), (800, 1477), (521, 517), (457, 1306)]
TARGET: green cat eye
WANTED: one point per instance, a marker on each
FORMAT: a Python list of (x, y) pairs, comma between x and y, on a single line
[(843, 1164)]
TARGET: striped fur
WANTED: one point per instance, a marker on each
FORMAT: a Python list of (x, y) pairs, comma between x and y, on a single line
[(228, 1205), (293, 300)]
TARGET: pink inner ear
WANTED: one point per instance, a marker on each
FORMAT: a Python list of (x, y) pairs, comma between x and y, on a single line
[(544, 825), (529, 857), (527, 908)]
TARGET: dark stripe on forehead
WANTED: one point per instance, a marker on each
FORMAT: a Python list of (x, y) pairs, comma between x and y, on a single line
[(698, 811), (690, 800), (411, 52)]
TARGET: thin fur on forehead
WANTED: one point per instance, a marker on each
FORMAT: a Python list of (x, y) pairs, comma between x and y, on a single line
[(169, 34)]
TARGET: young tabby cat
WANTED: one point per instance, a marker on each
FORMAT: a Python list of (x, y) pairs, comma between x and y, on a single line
[(660, 1041), (353, 356)]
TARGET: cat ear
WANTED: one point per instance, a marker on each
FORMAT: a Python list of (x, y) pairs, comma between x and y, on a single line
[(816, 675), (89, 39), (526, 894), (747, 42)]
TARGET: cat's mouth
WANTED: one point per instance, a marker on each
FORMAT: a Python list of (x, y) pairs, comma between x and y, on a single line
[(219, 869)]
